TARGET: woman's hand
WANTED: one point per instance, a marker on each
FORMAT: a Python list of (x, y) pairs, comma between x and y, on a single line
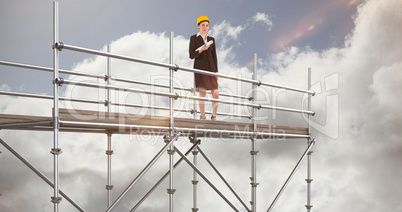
[(204, 47)]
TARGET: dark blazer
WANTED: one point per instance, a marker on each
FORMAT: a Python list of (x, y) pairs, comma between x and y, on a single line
[(207, 59)]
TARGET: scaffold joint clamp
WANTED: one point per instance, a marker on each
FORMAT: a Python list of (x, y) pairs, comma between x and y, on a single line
[(175, 68), (58, 81), (254, 152), (56, 151), (56, 200), (193, 140), (58, 45), (171, 191), (254, 184), (171, 151), (167, 138)]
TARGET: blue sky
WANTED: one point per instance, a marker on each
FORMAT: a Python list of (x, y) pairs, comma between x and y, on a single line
[(27, 28), (354, 50)]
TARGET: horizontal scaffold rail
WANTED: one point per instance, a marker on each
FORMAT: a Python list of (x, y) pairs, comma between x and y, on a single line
[(61, 46), (41, 68), (105, 77), (176, 95), (42, 96)]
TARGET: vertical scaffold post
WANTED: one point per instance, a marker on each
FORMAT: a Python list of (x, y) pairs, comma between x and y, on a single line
[(171, 189), (55, 150), (109, 150), (253, 151), (195, 154), (195, 175), (309, 140)]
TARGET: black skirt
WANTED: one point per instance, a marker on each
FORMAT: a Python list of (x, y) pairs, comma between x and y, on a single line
[(205, 82)]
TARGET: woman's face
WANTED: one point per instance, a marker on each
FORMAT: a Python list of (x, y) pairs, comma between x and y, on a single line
[(204, 26)]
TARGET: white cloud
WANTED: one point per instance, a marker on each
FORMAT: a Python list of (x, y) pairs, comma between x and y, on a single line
[(227, 33), (5, 87), (263, 18), (359, 166)]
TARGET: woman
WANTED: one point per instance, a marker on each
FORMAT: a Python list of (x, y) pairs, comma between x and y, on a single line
[(204, 56)]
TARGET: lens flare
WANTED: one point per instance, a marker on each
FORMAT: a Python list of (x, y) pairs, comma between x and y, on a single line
[(310, 24)]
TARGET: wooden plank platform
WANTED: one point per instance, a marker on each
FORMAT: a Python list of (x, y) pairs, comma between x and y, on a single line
[(123, 123)]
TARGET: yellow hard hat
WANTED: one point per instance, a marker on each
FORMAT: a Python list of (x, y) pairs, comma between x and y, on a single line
[(201, 19)]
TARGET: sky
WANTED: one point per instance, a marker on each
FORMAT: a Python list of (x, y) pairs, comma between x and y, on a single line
[(353, 48)]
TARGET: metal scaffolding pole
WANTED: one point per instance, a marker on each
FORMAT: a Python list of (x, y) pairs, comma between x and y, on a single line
[(309, 180), (176, 95), (195, 141), (176, 67), (109, 150), (55, 199), (34, 169), (142, 173), (206, 179), (160, 181), (170, 151), (223, 179), (291, 175), (57, 125), (253, 152)]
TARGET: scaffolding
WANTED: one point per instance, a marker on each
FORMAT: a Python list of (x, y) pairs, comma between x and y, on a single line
[(171, 128)]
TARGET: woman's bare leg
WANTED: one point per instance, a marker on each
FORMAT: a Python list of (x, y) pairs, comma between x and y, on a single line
[(201, 104), (215, 95)]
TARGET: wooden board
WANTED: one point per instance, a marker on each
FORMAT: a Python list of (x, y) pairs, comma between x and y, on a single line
[(134, 123), (159, 121), (12, 119)]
